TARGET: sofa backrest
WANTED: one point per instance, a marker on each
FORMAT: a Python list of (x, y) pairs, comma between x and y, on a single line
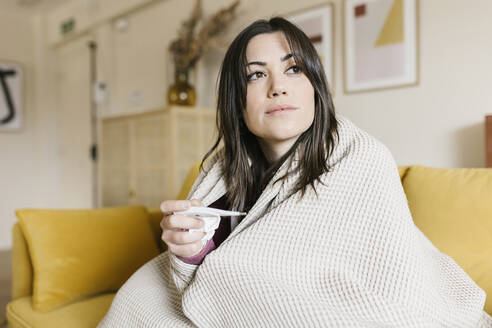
[(451, 207)]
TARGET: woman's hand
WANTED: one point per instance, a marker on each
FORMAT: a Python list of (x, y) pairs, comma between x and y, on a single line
[(175, 228)]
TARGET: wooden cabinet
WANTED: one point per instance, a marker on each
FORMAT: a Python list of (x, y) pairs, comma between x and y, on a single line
[(145, 157)]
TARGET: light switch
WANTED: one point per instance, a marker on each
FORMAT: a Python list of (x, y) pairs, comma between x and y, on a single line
[(101, 93)]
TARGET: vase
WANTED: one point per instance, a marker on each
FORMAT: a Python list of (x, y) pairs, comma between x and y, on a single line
[(181, 92)]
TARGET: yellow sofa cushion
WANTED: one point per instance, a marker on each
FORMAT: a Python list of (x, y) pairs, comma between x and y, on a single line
[(21, 265), (403, 171), (84, 314), (453, 208), (76, 253)]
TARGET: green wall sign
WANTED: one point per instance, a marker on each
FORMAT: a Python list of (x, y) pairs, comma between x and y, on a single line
[(67, 26)]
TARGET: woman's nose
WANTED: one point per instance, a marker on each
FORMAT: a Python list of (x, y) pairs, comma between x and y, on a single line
[(277, 88)]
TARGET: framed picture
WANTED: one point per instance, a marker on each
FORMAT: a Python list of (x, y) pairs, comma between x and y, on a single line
[(317, 23), (380, 44), (11, 81)]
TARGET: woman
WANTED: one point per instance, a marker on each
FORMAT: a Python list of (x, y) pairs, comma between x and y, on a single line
[(328, 240)]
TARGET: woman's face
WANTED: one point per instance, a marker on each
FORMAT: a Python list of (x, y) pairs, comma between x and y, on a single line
[(280, 98)]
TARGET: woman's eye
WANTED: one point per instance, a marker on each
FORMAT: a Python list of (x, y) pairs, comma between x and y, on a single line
[(255, 76), (294, 69)]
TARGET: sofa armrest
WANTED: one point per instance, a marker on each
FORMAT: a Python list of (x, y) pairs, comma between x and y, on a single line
[(21, 265)]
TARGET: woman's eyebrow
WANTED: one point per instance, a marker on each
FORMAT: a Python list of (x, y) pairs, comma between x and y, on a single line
[(284, 58)]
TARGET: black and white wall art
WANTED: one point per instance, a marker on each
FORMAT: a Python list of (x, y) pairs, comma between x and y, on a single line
[(11, 83)]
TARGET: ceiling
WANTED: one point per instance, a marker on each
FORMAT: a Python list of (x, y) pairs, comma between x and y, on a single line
[(29, 7)]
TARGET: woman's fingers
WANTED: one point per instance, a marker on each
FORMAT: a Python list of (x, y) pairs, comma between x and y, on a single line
[(186, 250), (181, 237), (172, 221), (175, 228), (171, 206), (176, 222)]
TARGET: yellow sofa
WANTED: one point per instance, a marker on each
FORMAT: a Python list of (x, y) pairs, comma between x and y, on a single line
[(453, 207)]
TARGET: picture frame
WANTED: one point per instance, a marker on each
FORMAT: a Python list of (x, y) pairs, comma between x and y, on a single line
[(380, 44), (318, 24), (11, 96)]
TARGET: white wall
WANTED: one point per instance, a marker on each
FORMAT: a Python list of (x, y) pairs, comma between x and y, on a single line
[(17, 148), (437, 123), (440, 122), (27, 169)]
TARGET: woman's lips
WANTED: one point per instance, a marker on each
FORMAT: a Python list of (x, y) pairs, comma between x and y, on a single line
[(280, 108)]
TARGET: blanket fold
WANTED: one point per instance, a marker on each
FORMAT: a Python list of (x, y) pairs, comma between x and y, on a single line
[(350, 256)]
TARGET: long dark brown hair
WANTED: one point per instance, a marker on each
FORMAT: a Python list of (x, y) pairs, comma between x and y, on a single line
[(245, 181)]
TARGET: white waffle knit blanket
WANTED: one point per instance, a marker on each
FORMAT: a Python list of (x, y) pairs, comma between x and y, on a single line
[(351, 257)]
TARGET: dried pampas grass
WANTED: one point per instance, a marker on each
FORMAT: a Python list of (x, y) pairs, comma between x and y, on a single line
[(189, 46)]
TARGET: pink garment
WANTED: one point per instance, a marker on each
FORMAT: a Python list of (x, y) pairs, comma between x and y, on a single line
[(198, 258)]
